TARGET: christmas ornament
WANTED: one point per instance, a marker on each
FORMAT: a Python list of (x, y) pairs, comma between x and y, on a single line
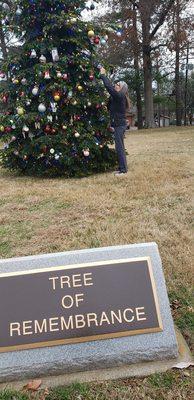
[(8, 129), (2, 128), (24, 81), (18, 11), (37, 125), (91, 77), (20, 110), (57, 156), (33, 54), (52, 151), (86, 152), (64, 127), (74, 102), (57, 96), (119, 33), (25, 128), (50, 118), (89, 103), (35, 90), (76, 134), (53, 106), (15, 81), (96, 40), (80, 88), (13, 138), (65, 76), (91, 33), (5, 98), (47, 129), (103, 41), (47, 75), (55, 54), (42, 59), (41, 108), (73, 20), (59, 74)]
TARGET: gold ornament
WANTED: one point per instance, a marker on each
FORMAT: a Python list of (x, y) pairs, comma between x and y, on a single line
[(80, 88), (20, 110), (91, 34)]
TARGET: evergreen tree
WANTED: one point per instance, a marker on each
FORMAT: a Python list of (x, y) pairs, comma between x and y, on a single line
[(57, 121)]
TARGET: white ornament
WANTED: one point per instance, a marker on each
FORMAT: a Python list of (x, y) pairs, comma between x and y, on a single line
[(18, 11), (53, 107), (59, 74), (55, 54), (37, 125), (73, 20), (42, 59), (24, 81), (49, 118), (41, 108), (86, 152), (25, 128), (35, 90), (77, 134), (52, 151), (57, 156), (33, 54)]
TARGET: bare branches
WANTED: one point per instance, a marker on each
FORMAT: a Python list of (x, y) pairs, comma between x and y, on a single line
[(162, 18)]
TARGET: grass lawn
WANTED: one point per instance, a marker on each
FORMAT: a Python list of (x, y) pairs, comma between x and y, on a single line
[(151, 203)]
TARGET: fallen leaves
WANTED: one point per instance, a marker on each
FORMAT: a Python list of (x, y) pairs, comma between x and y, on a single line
[(33, 385)]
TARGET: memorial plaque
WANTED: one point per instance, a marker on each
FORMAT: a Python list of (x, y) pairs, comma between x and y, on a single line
[(78, 303)]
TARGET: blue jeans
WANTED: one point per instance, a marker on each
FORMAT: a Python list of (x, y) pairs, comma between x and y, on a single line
[(120, 148)]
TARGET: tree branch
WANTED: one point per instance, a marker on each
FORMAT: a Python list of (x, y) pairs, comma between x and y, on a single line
[(162, 18)]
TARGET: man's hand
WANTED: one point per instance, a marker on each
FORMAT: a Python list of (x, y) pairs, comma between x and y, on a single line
[(102, 71)]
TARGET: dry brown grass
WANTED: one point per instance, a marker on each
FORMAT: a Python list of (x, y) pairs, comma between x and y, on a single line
[(151, 203)]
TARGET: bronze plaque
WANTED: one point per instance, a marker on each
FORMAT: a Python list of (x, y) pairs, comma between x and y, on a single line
[(77, 303)]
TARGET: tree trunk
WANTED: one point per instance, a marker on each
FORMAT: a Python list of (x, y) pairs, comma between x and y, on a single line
[(186, 86), (147, 66), (148, 92), (177, 69), (137, 71)]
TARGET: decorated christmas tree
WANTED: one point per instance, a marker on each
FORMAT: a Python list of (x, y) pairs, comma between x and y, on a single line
[(56, 121)]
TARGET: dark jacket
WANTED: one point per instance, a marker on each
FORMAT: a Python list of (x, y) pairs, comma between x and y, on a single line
[(117, 104)]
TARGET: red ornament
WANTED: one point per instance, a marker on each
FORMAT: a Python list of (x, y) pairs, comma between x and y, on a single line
[(5, 98), (77, 117), (65, 77), (96, 40), (98, 106), (47, 129), (8, 129), (44, 149), (91, 77)]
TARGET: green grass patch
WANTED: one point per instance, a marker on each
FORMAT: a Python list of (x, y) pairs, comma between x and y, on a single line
[(13, 395), (165, 380), (76, 391), (5, 249)]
